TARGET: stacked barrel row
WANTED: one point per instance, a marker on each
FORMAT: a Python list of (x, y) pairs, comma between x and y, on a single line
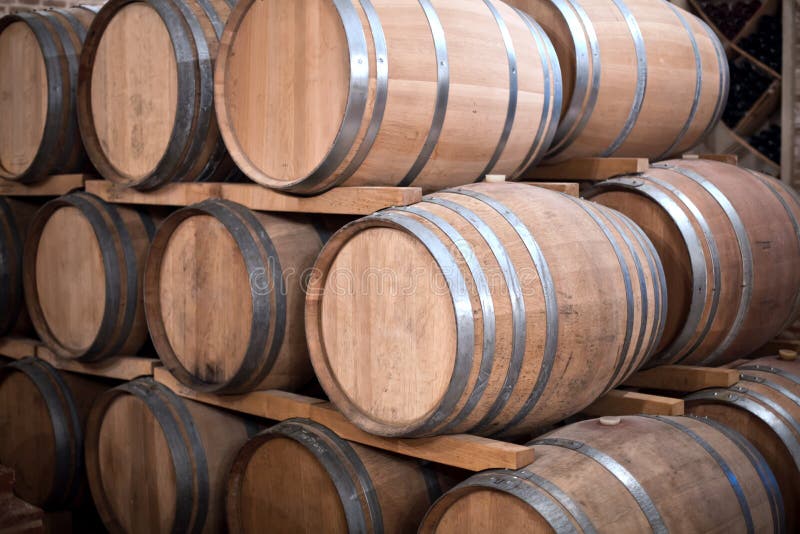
[(426, 93)]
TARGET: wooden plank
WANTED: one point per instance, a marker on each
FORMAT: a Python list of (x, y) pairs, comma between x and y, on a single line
[(684, 378), (271, 404), (119, 367), (589, 169), (53, 186), (569, 188), (463, 451), (340, 200), (620, 402), (789, 92), (18, 347), (731, 159), (736, 363)]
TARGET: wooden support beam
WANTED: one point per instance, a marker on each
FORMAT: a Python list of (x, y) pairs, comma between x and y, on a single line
[(683, 378), (119, 367), (569, 188), (18, 347), (340, 200), (52, 186), (587, 169), (732, 159), (473, 453), (620, 402)]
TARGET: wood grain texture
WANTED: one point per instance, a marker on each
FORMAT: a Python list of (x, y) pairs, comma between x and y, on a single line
[(763, 407), (51, 186), (720, 485), (116, 367), (622, 402), (341, 200), (591, 169), (616, 48), (297, 476), (737, 230), (145, 95), (408, 325), (157, 462), (683, 378), (305, 101)]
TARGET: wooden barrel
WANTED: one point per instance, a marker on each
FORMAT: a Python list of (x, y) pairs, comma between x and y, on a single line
[(158, 463), (729, 239), (765, 408), (83, 265), (300, 477), (393, 92), (646, 474), (15, 216), (641, 77), (39, 56), (224, 296), (465, 312), (42, 414), (145, 99)]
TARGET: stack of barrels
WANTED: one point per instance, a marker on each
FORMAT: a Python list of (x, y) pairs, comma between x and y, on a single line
[(494, 309)]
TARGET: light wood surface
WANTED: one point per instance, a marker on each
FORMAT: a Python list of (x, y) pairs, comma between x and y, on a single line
[(116, 367), (741, 229), (299, 476), (639, 49), (683, 378), (305, 102), (588, 169), (384, 316), (341, 200), (39, 55), (51, 186), (473, 453), (84, 261), (623, 402), (150, 454), (623, 479), (224, 297), (146, 93), (15, 217), (42, 412), (570, 188), (763, 408)]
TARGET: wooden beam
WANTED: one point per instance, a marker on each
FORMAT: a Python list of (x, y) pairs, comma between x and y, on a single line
[(18, 347), (119, 367), (473, 453), (340, 200), (569, 188), (683, 378), (52, 186), (620, 402), (587, 169), (732, 159)]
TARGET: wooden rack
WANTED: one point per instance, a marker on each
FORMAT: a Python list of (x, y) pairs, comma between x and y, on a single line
[(588, 169), (52, 186)]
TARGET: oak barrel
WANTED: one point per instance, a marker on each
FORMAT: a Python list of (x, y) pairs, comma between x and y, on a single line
[(145, 100), (224, 296), (300, 477), (83, 264), (646, 474), (422, 93), (729, 239), (39, 57), (765, 408), (641, 77), (42, 414), (466, 312), (158, 463), (15, 216)]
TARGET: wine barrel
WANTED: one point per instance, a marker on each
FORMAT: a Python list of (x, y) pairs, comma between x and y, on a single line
[(15, 216), (83, 264), (42, 414), (224, 296), (765, 408), (646, 474), (429, 94), (145, 99), (157, 463), (641, 77), (39, 56), (465, 312), (300, 477), (729, 239)]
